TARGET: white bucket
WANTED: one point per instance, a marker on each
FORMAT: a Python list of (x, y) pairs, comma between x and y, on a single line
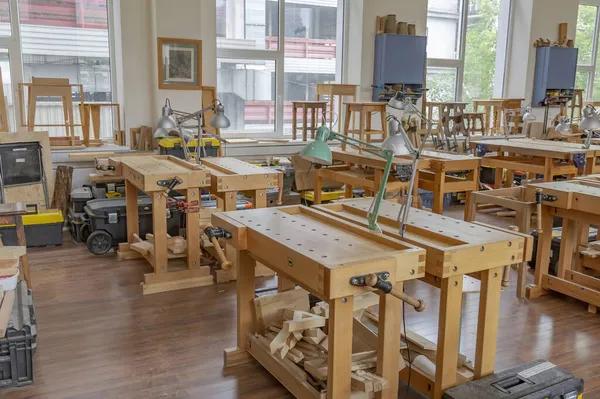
[(9, 278)]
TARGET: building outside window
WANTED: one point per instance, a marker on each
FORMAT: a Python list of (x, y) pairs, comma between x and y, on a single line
[(586, 40), (257, 77)]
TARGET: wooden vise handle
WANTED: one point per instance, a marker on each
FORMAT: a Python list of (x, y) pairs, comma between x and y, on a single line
[(280, 196), (225, 264), (372, 280)]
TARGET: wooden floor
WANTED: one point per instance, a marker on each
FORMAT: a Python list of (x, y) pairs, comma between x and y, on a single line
[(100, 338)]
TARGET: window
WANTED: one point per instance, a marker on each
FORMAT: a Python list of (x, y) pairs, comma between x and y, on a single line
[(586, 40), (258, 76), (67, 39), (462, 48)]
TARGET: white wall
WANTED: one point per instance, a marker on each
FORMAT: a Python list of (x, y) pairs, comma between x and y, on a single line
[(142, 21)]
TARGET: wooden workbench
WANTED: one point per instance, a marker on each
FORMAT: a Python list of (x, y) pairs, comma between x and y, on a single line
[(320, 253), (512, 198), (359, 170), (143, 173), (543, 157), (228, 176), (577, 203), (437, 176), (434, 174), (454, 249)]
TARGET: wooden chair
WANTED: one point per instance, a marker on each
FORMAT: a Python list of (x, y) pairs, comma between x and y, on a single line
[(305, 106), (365, 112), (471, 119)]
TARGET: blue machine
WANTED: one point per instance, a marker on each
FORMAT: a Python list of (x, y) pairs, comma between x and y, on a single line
[(554, 80)]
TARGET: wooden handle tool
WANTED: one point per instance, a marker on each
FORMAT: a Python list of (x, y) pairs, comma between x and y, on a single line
[(225, 264), (372, 280), (280, 197)]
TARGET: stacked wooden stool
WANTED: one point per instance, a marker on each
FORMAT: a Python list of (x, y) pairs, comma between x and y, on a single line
[(365, 112), (305, 106)]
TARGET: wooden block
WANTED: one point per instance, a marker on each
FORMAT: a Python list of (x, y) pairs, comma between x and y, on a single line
[(295, 355), (365, 381), (269, 308), (324, 345), (360, 361), (11, 253), (314, 336), (302, 320), (365, 300)]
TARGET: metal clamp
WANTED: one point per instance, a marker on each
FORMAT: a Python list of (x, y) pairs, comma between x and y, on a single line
[(170, 183), (216, 232), (382, 283)]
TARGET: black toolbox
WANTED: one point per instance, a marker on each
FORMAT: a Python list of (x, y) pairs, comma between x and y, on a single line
[(108, 222), (534, 380), (42, 228), (18, 345), (555, 247), (79, 197)]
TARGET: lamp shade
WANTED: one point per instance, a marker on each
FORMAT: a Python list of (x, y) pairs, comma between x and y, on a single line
[(397, 101), (590, 119), (528, 116), (564, 126), (166, 122), (396, 144), (219, 120), (318, 151)]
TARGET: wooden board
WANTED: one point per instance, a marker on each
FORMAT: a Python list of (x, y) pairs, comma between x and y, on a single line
[(144, 172), (231, 174), (541, 148), (31, 193), (454, 247), (317, 251)]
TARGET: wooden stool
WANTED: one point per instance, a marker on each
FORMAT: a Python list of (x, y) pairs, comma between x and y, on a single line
[(470, 122), (314, 107), (365, 112), (577, 102), (430, 109), (330, 90)]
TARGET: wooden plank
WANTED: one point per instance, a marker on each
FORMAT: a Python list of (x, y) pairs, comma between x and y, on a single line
[(269, 308), (12, 252), (487, 325), (388, 343), (571, 289)]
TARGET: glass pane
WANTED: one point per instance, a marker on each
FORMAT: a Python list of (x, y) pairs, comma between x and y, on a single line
[(581, 81), (441, 83), (480, 49), (247, 90), (247, 24), (443, 28), (68, 40), (586, 21), (5, 18), (310, 52)]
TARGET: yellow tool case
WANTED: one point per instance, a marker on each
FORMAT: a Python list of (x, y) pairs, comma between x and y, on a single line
[(41, 228), (172, 146)]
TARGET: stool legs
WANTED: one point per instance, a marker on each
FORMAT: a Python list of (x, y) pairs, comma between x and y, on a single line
[(361, 122), (346, 127), (313, 121), (304, 122), (383, 126), (294, 121), (368, 127)]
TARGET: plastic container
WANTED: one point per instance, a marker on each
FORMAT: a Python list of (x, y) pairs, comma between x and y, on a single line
[(9, 278), (17, 347), (79, 197), (41, 229), (108, 222), (534, 380), (172, 146)]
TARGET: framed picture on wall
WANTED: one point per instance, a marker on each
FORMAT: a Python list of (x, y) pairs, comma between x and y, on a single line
[(179, 64)]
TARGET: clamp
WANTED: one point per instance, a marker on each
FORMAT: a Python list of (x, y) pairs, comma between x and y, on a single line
[(379, 281), (213, 235)]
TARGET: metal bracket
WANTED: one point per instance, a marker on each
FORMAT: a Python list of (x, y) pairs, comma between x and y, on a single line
[(217, 233), (549, 198), (382, 285), (170, 183)]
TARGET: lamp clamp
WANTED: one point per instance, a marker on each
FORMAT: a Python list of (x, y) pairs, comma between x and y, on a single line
[(382, 284)]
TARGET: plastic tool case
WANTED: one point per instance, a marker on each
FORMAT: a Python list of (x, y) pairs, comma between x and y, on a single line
[(535, 380), (108, 223)]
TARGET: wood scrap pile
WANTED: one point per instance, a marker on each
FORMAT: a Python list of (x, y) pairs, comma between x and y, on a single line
[(141, 138), (297, 334), (591, 258)]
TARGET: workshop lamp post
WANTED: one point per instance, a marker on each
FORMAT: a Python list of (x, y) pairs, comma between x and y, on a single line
[(172, 121)]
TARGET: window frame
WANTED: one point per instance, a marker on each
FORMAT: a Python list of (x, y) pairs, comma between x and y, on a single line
[(591, 68), (278, 56)]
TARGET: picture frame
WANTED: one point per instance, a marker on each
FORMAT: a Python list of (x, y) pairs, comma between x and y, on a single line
[(179, 64)]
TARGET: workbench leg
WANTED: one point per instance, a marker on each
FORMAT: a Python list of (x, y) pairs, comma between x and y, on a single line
[(227, 201), (583, 236), (388, 342), (438, 192), (510, 178), (159, 230), (339, 360), (568, 246), (192, 231), (131, 209), (260, 199), (542, 261), (361, 129), (368, 127), (23, 243), (448, 334), (548, 163), (487, 324), (245, 310), (523, 218), (347, 126), (318, 187), (378, 176), (348, 191), (470, 209), (498, 173), (283, 284)]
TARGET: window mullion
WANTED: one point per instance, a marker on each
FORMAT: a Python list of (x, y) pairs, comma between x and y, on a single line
[(280, 70), (592, 76)]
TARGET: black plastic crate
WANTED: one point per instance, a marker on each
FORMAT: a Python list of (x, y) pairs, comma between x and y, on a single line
[(18, 345)]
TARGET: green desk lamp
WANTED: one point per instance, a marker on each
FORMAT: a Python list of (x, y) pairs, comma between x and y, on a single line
[(319, 153)]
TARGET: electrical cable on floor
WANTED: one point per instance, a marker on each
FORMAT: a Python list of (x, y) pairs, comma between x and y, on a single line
[(407, 347)]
